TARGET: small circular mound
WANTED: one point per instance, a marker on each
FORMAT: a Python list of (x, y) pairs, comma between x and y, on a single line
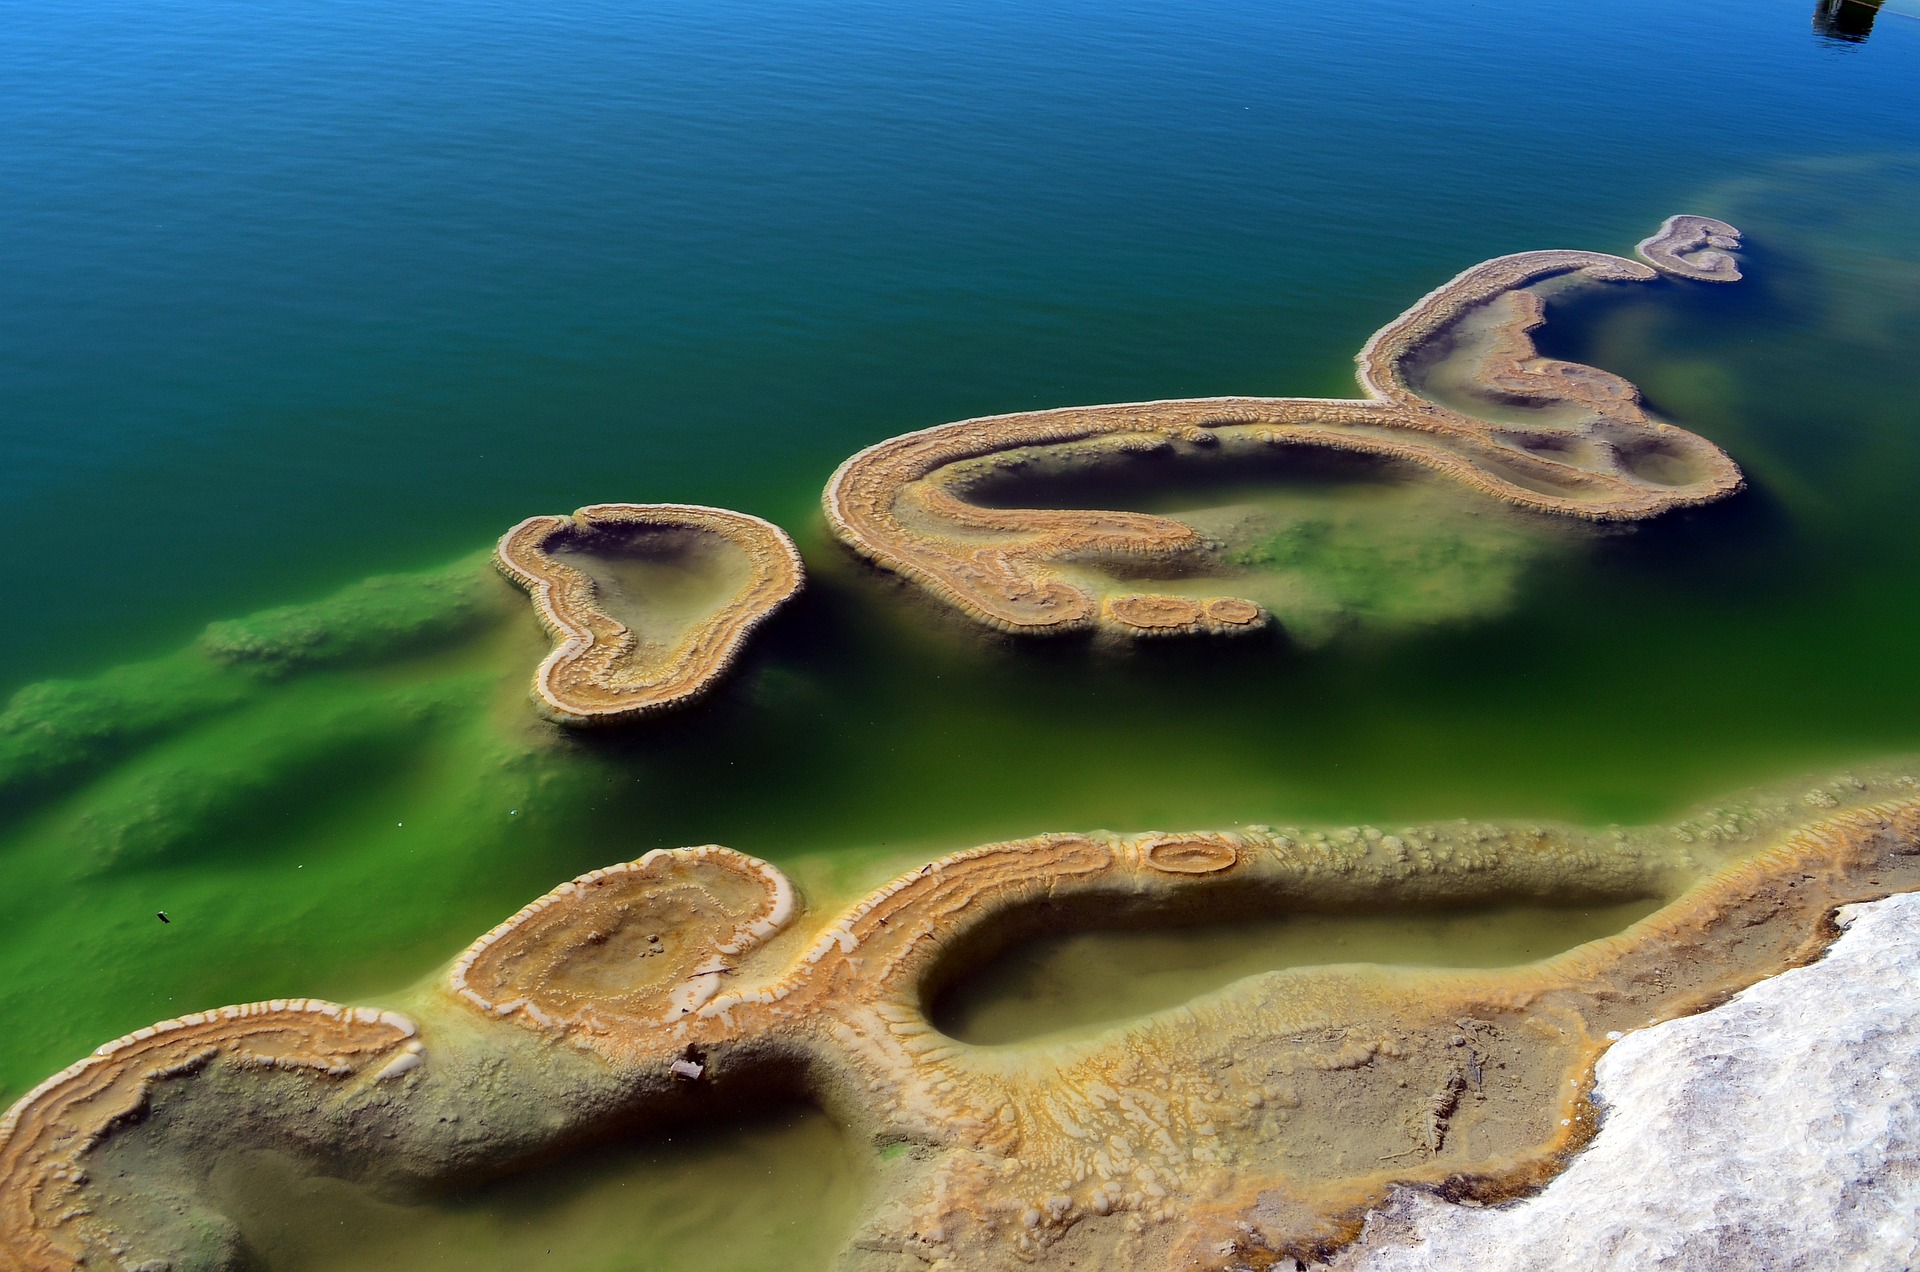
[(1234, 611), (1190, 854), (1695, 247), (645, 941), (599, 672)]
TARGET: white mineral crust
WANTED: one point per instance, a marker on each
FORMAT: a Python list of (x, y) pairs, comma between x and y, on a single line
[(1779, 1131)]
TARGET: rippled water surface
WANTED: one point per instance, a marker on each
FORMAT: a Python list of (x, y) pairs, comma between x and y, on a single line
[(305, 304)]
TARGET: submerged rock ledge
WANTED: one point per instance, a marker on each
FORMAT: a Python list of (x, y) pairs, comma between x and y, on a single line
[(903, 504), (1252, 1126), (600, 670), (1779, 1131)]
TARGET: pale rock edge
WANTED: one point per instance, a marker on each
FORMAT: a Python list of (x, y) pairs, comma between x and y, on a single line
[(1779, 1131)]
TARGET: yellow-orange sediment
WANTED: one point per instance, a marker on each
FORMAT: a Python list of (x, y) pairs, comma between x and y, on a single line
[(903, 505), (1249, 1127), (599, 670), (45, 1137)]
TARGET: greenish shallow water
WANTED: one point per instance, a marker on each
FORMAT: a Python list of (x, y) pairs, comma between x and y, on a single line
[(300, 300), (1063, 986)]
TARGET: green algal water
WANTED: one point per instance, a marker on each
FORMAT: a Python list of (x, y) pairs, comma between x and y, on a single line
[(304, 309)]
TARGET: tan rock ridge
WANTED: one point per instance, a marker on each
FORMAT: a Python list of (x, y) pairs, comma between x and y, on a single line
[(46, 1136), (1592, 452), (1251, 1126), (602, 669)]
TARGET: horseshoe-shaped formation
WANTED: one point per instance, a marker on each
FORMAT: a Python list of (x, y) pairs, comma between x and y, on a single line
[(1253, 1125), (1696, 247), (603, 670), (1590, 451)]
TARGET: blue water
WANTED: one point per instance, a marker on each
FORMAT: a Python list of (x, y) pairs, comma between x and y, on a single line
[(295, 293)]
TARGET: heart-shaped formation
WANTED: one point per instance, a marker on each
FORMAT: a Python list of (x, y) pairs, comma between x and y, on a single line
[(1696, 247), (707, 577)]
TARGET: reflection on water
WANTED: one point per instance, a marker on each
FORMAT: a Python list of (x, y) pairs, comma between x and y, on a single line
[(775, 1195), (1066, 984), (1845, 21)]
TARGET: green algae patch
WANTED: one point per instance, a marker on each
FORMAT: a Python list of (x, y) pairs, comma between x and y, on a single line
[(378, 618), (225, 790), (343, 788), (56, 730), (1327, 544), (351, 857), (1386, 557)]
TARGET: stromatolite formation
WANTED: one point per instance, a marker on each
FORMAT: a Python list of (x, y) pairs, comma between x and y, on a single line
[(602, 669), (1251, 1126), (1572, 441)]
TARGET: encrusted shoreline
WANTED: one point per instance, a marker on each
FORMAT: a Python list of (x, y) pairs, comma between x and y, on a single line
[(1777, 1131)]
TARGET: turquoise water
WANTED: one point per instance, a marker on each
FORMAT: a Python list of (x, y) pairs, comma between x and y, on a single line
[(299, 296)]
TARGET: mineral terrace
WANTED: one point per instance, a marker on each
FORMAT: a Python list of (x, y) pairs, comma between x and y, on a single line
[(1250, 1127)]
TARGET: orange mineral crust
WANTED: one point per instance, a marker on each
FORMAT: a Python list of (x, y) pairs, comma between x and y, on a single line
[(1589, 451), (1254, 1125), (655, 655), (45, 1138)]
